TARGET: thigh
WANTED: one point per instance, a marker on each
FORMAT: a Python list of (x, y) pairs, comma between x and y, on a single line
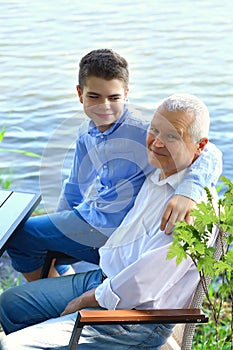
[(72, 225), (65, 223), (41, 300), (63, 232), (70, 234)]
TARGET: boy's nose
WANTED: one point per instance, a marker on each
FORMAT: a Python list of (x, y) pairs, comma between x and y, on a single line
[(106, 104), (103, 100)]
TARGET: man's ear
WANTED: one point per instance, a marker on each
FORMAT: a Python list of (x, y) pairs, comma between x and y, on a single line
[(201, 144), (80, 93)]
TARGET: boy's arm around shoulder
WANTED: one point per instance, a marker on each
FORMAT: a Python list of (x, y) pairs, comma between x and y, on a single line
[(205, 171)]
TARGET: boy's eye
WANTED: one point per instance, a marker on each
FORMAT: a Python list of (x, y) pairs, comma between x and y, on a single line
[(93, 96), (115, 98)]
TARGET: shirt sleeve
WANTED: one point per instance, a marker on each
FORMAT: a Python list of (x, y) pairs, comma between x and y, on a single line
[(145, 281), (205, 171)]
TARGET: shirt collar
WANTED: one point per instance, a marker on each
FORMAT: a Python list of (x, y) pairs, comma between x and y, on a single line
[(173, 180), (94, 131)]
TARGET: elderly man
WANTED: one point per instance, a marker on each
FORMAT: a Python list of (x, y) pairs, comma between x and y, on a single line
[(134, 272)]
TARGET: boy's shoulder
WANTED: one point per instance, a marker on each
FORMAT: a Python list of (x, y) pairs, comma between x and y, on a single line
[(83, 127), (135, 118)]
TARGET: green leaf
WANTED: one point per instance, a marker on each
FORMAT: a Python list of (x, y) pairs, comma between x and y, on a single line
[(176, 251), (26, 153), (2, 133)]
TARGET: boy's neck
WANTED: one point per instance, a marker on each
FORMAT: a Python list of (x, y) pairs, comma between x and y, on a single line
[(103, 128)]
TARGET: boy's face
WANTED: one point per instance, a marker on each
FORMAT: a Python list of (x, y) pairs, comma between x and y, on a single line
[(169, 144), (103, 100)]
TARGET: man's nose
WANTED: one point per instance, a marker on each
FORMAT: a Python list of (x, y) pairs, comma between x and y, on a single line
[(158, 142)]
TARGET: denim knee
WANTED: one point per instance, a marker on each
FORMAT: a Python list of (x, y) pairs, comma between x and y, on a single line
[(13, 312), (5, 313)]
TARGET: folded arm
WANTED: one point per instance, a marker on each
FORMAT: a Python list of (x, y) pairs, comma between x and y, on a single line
[(149, 281)]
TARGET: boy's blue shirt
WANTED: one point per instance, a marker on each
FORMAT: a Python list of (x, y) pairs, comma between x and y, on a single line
[(109, 169)]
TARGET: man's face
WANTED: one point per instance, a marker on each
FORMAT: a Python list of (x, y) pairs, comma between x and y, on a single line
[(169, 145), (103, 100)]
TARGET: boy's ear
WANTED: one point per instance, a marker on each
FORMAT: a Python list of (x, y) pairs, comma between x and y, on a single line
[(80, 93), (126, 93), (201, 144)]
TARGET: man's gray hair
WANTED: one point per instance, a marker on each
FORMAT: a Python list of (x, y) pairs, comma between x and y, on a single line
[(199, 128)]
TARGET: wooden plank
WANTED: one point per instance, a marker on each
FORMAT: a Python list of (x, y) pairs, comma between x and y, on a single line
[(14, 210), (142, 316)]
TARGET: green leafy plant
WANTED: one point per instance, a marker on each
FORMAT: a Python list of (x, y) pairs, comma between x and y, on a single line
[(193, 241), (205, 337), (5, 179), (9, 278), (27, 153)]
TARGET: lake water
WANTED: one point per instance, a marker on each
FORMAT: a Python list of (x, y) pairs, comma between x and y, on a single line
[(171, 46)]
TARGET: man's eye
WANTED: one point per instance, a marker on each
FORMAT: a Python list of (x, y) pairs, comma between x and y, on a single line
[(171, 137), (92, 96), (153, 131)]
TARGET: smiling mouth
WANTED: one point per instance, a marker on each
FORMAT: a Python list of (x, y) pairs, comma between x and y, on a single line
[(104, 116), (158, 154)]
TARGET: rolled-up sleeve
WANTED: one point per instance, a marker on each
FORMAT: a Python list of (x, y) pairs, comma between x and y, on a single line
[(105, 295)]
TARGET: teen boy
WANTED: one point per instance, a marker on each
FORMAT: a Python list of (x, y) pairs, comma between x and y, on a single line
[(109, 168)]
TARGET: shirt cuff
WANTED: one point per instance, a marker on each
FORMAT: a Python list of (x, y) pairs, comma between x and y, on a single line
[(105, 295)]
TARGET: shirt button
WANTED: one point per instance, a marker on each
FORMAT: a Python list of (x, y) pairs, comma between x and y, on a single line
[(106, 187), (105, 166)]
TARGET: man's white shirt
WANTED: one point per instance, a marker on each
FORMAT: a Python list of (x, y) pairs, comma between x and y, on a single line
[(134, 257)]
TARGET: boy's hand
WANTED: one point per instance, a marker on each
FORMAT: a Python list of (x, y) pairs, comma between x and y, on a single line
[(178, 209), (87, 299)]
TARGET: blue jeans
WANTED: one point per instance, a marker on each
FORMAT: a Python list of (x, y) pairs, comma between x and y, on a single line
[(23, 308), (64, 231)]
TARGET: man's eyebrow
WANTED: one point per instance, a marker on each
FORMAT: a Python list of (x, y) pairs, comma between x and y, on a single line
[(168, 130), (177, 132)]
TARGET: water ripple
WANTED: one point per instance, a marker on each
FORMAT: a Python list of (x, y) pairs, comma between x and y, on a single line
[(169, 48)]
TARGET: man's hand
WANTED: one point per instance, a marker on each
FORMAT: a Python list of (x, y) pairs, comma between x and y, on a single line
[(87, 299), (178, 209)]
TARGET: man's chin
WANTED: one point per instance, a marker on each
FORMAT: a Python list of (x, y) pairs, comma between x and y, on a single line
[(154, 162)]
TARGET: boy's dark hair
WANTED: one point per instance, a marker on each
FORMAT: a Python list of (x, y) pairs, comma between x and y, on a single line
[(105, 64)]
